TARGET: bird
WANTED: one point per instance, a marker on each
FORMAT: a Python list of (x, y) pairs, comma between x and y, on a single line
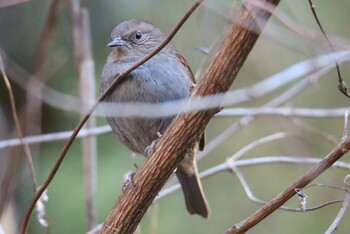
[(164, 78)]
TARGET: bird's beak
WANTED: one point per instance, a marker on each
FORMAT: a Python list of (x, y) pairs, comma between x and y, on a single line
[(117, 41)]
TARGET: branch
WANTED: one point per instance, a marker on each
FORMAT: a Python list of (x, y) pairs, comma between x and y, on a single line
[(70, 141), (270, 207), (225, 166), (155, 171), (286, 112)]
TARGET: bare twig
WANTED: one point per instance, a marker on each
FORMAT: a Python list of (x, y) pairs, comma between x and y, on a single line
[(117, 81), (263, 140), (17, 124), (40, 207), (286, 112), (7, 3), (49, 137), (32, 113), (227, 166), (341, 83), (81, 34), (341, 212), (254, 162), (341, 149), (285, 96), (345, 131), (34, 104), (253, 198), (321, 64), (327, 136), (300, 29)]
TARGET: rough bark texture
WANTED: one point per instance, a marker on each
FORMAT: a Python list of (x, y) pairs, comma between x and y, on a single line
[(155, 171)]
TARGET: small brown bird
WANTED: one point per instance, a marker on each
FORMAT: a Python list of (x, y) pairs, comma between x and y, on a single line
[(165, 77)]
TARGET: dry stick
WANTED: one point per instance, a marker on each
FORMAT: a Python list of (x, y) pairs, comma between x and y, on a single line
[(346, 202), (41, 209), (20, 136), (87, 88), (285, 96), (86, 69), (340, 215), (16, 120), (341, 83), (7, 3), (267, 160), (247, 119), (12, 169), (286, 112), (117, 81), (253, 198), (271, 206), (57, 136), (155, 171), (33, 109)]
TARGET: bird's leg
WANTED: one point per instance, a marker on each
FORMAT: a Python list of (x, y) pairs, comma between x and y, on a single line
[(149, 149), (129, 179)]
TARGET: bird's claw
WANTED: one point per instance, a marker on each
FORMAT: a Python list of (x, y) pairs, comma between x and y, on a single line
[(149, 149), (129, 180)]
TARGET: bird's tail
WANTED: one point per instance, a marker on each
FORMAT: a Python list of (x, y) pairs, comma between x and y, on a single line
[(196, 202)]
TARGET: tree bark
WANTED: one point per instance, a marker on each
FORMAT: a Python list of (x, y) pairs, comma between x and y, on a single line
[(155, 171)]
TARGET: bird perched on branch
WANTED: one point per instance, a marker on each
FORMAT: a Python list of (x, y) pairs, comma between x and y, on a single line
[(164, 78)]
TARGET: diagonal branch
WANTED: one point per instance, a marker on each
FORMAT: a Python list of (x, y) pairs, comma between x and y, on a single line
[(284, 196), (155, 171), (84, 119)]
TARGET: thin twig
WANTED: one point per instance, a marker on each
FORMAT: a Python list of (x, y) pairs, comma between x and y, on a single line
[(57, 136), (235, 97), (341, 213), (7, 3), (261, 141), (253, 198), (300, 29), (285, 112), (226, 166), (117, 81), (345, 131), (313, 130), (267, 160), (341, 83), (40, 205), (33, 108), (341, 149), (285, 96), (81, 35), (17, 124)]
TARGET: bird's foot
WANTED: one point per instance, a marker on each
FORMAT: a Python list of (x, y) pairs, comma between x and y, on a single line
[(149, 149), (129, 180)]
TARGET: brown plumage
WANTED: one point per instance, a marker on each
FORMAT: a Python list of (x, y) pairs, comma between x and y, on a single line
[(165, 77)]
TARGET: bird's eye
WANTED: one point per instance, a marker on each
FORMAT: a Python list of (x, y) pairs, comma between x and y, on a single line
[(138, 35)]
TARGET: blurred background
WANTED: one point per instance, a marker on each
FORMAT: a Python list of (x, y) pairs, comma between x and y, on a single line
[(37, 43)]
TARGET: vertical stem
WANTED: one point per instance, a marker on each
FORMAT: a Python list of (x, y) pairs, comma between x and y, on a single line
[(86, 68)]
